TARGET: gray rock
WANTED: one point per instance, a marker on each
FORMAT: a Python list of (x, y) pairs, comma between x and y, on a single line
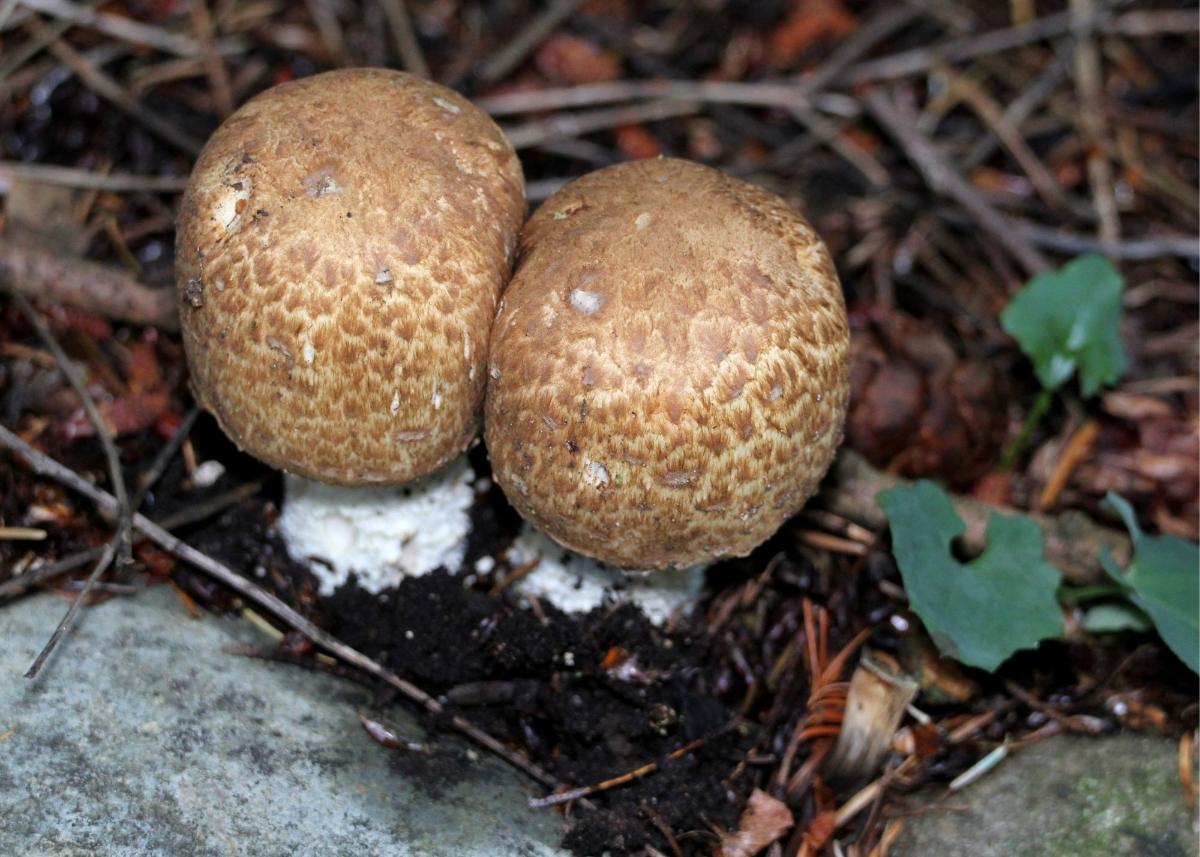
[(1065, 797), (142, 737)]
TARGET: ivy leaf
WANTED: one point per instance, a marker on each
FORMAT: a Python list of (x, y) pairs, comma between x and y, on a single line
[(1164, 579), (983, 611), (1067, 320)]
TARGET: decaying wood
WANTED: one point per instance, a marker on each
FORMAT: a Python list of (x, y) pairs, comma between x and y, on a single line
[(1074, 541), (90, 286)]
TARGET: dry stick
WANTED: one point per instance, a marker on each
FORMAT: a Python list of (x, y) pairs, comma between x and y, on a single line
[(512, 54), (400, 23), (106, 87), (122, 544), (214, 67), (159, 465), (923, 59), (566, 125), (855, 155), (106, 558), (636, 774), (944, 180), (87, 180), (1088, 84), (1030, 99), (330, 29), (6, 9), (1180, 246), (32, 47), (44, 465), (990, 112), (90, 286), (765, 94), (1145, 23), (192, 514), (27, 581), (117, 26)]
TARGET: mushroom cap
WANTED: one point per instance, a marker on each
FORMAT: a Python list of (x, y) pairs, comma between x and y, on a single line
[(341, 246), (669, 367)]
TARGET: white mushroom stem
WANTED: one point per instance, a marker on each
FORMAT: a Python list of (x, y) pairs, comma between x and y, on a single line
[(575, 584), (380, 535)]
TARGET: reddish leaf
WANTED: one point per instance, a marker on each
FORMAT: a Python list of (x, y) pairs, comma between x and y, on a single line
[(636, 142), (764, 820), (812, 22), (564, 58)]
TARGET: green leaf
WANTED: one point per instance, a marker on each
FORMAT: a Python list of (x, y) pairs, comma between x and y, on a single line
[(982, 612), (1068, 319), (1164, 577), (1117, 616)]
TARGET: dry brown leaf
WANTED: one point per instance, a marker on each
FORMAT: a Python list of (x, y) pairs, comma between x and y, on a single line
[(764, 820)]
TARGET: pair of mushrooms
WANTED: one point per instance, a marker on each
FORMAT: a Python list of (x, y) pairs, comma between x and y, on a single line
[(663, 380)]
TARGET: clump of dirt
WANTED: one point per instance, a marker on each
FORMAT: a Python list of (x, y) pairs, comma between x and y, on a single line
[(588, 697)]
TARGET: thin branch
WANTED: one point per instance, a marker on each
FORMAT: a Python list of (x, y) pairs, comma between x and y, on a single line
[(944, 180), (1089, 85), (1133, 249), (102, 289), (122, 544), (44, 465), (214, 66), (88, 180), (105, 560), (566, 125), (514, 52), (400, 23), (106, 87), (118, 27), (24, 582)]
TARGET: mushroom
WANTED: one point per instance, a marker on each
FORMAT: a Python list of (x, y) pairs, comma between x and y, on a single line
[(668, 368), (341, 246)]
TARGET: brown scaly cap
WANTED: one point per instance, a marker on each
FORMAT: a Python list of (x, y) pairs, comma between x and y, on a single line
[(341, 247), (668, 369)]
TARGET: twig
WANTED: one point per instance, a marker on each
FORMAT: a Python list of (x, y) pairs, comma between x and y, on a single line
[(1130, 249), (570, 795), (762, 94), (1089, 86), (990, 112), (1075, 451), (22, 583), (44, 465), (106, 558), (93, 287), (1020, 109), (891, 20), (214, 66), (21, 54), (117, 26), (829, 134), (400, 23), (512, 54), (163, 458), (88, 180), (106, 87), (944, 180), (122, 544), (922, 59), (330, 29), (566, 125)]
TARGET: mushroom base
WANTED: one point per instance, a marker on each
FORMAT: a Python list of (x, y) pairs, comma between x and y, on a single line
[(575, 584), (380, 535)]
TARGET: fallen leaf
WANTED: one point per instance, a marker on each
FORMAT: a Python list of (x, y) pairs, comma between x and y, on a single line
[(764, 820), (568, 59)]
